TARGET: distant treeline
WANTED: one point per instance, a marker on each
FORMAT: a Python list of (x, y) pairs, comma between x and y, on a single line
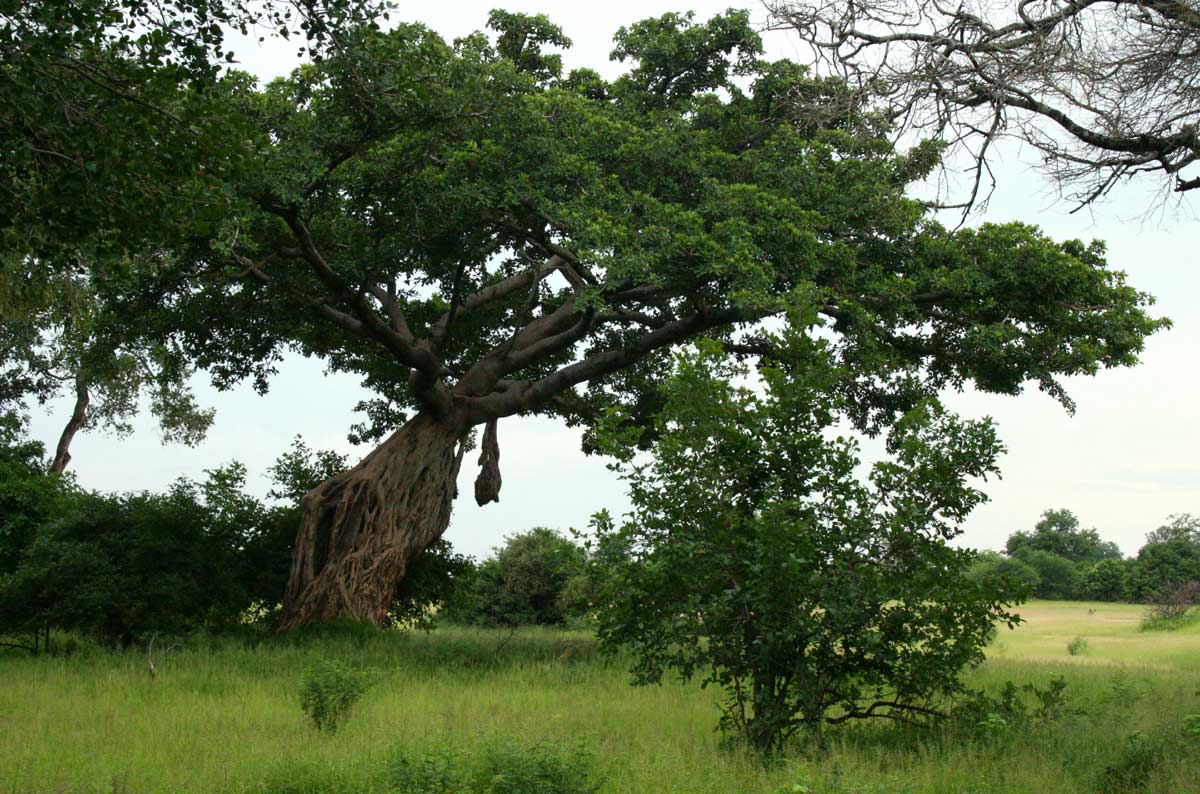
[(1060, 559)]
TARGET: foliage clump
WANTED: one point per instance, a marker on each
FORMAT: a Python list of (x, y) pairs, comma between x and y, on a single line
[(329, 692), (1015, 709), (756, 559), (500, 768)]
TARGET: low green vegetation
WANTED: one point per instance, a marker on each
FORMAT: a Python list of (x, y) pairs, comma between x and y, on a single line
[(224, 716), (329, 693)]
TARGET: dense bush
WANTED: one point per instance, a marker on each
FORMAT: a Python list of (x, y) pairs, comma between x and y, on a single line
[(1162, 566), (1107, 580), (29, 496), (430, 582), (992, 566), (526, 582), (1057, 576), (122, 567)]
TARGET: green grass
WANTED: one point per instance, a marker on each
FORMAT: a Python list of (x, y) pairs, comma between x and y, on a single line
[(225, 717)]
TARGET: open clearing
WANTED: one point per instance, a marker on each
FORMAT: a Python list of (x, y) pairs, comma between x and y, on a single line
[(223, 716)]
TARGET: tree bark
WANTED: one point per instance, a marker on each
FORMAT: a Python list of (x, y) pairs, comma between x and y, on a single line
[(360, 529), (62, 454)]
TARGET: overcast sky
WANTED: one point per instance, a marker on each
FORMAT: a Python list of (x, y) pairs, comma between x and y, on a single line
[(1122, 463)]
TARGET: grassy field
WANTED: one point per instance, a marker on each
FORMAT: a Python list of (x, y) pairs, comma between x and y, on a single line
[(224, 717)]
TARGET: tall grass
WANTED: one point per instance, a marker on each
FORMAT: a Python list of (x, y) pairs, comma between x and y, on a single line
[(225, 716)]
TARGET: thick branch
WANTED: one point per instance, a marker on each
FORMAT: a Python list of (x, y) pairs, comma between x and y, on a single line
[(526, 396), (494, 292), (426, 379)]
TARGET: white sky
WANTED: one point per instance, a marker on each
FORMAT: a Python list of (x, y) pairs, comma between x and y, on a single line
[(1126, 460)]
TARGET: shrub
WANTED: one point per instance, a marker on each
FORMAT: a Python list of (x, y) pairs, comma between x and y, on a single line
[(500, 768), (122, 567), (1077, 646), (428, 585), (1057, 576), (28, 495), (329, 692), (523, 583), (991, 716), (1162, 566), (1107, 580), (1010, 572)]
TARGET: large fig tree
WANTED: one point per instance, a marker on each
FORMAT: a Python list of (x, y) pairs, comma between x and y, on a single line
[(480, 235)]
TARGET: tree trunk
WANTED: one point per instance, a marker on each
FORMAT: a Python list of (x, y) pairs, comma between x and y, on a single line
[(62, 455), (361, 529)]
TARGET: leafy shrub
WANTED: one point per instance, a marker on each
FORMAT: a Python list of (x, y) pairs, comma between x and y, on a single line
[(428, 585), (329, 692), (989, 715), (536, 769), (122, 567), (438, 772), (502, 768), (1125, 692), (28, 495), (524, 583), (1077, 646)]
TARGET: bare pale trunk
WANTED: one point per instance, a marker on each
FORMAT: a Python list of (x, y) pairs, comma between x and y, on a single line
[(360, 529)]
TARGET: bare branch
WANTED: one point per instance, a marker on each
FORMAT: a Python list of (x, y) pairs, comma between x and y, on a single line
[(1105, 89)]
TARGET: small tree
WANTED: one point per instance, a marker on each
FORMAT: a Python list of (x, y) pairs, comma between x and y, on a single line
[(755, 559), (1175, 602)]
